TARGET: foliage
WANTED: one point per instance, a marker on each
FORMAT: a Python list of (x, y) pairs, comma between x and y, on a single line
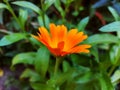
[(98, 70)]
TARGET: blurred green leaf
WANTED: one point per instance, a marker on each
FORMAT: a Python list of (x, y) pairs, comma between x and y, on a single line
[(3, 6), (80, 60), (105, 82), (94, 52), (59, 8), (85, 78), (44, 20), (66, 66), (24, 58), (29, 5), (47, 21), (114, 13), (12, 38), (82, 24), (112, 27), (116, 76), (67, 1), (102, 38), (32, 75), (40, 86), (114, 55), (40, 20), (61, 78), (35, 42), (47, 4), (42, 60), (23, 16)]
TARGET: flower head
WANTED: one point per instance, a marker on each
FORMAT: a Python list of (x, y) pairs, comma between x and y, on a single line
[(61, 42)]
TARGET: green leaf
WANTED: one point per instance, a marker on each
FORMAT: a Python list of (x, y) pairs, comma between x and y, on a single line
[(40, 20), (29, 5), (85, 78), (32, 75), (24, 58), (114, 13), (47, 4), (112, 27), (82, 24), (59, 8), (66, 66), (80, 59), (40, 86), (23, 15), (47, 21), (12, 38), (61, 78), (94, 52), (114, 55), (105, 82), (3, 6), (102, 38), (43, 20), (116, 76), (42, 60)]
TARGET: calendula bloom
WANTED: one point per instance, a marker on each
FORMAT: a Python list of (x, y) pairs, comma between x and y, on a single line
[(60, 41)]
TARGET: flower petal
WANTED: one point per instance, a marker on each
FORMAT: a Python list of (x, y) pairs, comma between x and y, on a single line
[(71, 34), (80, 48), (54, 35), (44, 36), (78, 38), (62, 31)]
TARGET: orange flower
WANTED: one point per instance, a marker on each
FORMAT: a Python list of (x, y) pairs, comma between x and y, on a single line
[(61, 42)]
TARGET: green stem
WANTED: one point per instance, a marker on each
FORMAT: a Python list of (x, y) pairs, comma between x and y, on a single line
[(43, 12), (111, 70), (58, 60)]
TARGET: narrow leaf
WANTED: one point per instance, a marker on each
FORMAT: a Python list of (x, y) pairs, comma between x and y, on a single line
[(24, 58), (29, 5), (114, 13), (59, 8), (105, 82), (47, 4), (102, 38), (112, 27), (61, 78), (116, 76), (32, 75), (42, 61), (23, 15), (82, 24), (12, 38), (41, 86), (3, 6), (114, 55)]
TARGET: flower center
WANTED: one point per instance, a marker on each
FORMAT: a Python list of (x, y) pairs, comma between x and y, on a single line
[(60, 45)]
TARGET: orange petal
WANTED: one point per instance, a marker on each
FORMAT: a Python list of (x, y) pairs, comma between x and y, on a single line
[(62, 31), (36, 37), (54, 35), (55, 51), (40, 39), (45, 35), (68, 38), (80, 48), (77, 39)]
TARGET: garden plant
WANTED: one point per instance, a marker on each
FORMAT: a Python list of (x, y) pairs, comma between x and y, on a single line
[(60, 45)]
